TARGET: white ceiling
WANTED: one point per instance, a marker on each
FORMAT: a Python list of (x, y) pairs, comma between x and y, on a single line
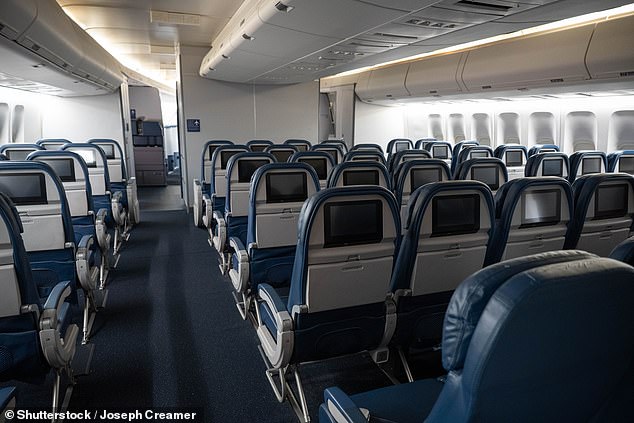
[(126, 31)]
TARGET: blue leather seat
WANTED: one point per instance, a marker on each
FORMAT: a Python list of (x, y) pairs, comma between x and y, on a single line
[(514, 157), (276, 197), (367, 147), (17, 152), (457, 149), (300, 144), (365, 155), (281, 152), (587, 162), (421, 143), (7, 399), (203, 184), (52, 143), (531, 216), (543, 148), (322, 162), (348, 238), (621, 161), (335, 150), (36, 335), (447, 234), (490, 171), (120, 180), (440, 150), (547, 164), (520, 344), (359, 173), (49, 237), (399, 144), (468, 152), (258, 146), (232, 221), (395, 159), (341, 144), (604, 212), (86, 220), (413, 174), (624, 251)]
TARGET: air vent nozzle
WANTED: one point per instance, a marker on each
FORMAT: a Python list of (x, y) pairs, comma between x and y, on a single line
[(483, 5)]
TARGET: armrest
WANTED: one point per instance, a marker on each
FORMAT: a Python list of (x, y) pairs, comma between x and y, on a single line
[(56, 298), (220, 238), (341, 409), (239, 273), (7, 396), (118, 211), (87, 274), (208, 210), (278, 350), (101, 229)]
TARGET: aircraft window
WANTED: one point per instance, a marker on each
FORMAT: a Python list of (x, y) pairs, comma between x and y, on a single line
[(591, 166), (360, 177), (108, 149), (552, 167), (24, 188), (420, 177), (540, 208), (64, 168), (514, 158), (246, 169), (479, 154), (626, 165), (225, 156), (489, 175), (282, 155), (440, 152), (289, 187), (18, 154), (455, 214), (258, 147), (401, 146), (319, 165), (353, 223), (611, 201), (88, 156)]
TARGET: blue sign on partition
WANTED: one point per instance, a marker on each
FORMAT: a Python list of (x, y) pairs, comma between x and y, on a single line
[(193, 125)]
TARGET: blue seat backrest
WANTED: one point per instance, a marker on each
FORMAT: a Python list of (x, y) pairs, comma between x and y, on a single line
[(335, 150), (339, 143), (218, 168), (421, 143), (52, 143), (448, 228), (365, 155), (73, 173), (240, 169), (359, 173), (543, 148), (17, 152), (395, 159), (459, 146), (301, 144), (115, 158), (205, 158), (514, 157), (603, 212), (281, 152), (347, 241), (469, 152), (624, 251), (490, 170), (547, 164), (440, 150), (258, 146), (399, 144), (367, 147), (320, 161), (587, 162), (97, 164), (621, 161), (554, 313), (531, 216)]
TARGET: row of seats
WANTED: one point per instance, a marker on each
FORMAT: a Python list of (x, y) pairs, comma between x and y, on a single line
[(297, 255), (64, 221)]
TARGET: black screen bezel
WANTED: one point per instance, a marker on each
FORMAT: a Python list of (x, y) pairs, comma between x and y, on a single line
[(348, 173), (442, 156), (560, 167), (611, 214), (30, 201), (629, 159), (413, 187), (271, 198), (241, 170), (63, 178), (493, 187), (331, 241), (531, 223), (456, 229), (309, 161), (587, 159), (510, 163)]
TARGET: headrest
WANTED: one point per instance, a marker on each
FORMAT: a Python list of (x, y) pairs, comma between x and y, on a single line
[(367, 147), (345, 170), (462, 144), (205, 156), (624, 251), (501, 152), (399, 144), (587, 162), (621, 161), (537, 148), (534, 161), (108, 141), (394, 159), (216, 162), (301, 144), (281, 151), (258, 145), (465, 171), (339, 143), (468, 152), (259, 176), (443, 148), (233, 166), (405, 168), (514, 188), (365, 155), (584, 187), (11, 150), (328, 147), (473, 294), (100, 157), (420, 144), (52, 140)]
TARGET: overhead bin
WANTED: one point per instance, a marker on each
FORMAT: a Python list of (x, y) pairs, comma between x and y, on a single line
[(434, 76), (534, 61), (610, 53), (385, 83), (16, 16)]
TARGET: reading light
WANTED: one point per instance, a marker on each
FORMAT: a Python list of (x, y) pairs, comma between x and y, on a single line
[(248, 37), (283, 8)]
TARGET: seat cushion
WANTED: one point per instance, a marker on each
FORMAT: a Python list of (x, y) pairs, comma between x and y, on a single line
[(405, 403)]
